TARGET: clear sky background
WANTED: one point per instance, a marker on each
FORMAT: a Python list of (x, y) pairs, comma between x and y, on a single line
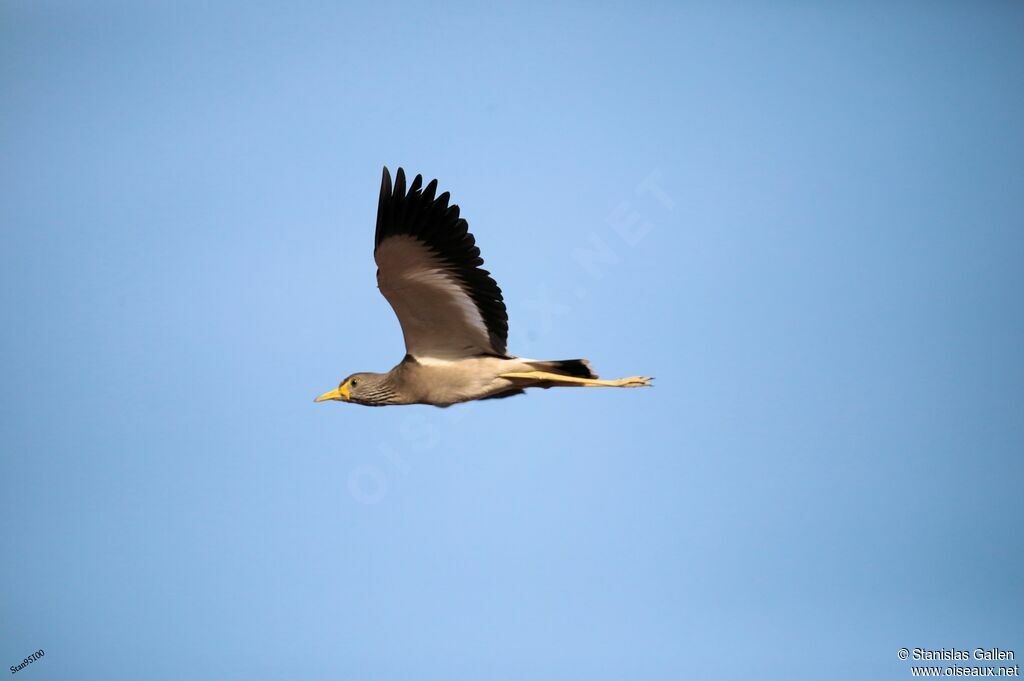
[(805, 220)]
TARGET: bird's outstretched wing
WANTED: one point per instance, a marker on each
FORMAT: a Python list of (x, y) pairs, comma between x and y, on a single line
[(428, 268)]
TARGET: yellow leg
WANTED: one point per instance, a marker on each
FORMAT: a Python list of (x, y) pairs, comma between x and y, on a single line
[(560, 380)]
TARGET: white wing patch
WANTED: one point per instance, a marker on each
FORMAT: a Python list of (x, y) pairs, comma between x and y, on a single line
[(449, 286), (439, 318)]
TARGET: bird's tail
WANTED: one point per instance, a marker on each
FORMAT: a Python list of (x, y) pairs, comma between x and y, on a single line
[(580, 368)]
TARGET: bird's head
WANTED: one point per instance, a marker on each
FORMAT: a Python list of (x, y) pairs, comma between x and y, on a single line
[(363, 388)]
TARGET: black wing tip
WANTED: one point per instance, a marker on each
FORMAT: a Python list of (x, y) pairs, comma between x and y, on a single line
[(398, 189)]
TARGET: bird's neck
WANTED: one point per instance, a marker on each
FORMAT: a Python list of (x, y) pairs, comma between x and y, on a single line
[(383, 389)]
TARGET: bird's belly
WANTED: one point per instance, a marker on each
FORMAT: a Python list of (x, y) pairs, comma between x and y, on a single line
[(445, 382)]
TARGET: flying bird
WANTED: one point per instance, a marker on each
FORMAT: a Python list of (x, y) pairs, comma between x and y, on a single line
[(451, 312)]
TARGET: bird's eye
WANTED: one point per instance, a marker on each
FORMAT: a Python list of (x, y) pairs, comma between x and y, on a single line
[(354, 382)]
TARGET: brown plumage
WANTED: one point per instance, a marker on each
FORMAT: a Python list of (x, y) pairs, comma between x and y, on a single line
[(451, 311)]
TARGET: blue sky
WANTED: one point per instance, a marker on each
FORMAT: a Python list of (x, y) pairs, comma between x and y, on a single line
[(805, 220)]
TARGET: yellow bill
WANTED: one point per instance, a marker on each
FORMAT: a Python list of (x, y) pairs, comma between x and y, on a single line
[(339, 393)]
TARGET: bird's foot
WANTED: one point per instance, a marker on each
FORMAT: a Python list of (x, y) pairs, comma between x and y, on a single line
[(633, 382)]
